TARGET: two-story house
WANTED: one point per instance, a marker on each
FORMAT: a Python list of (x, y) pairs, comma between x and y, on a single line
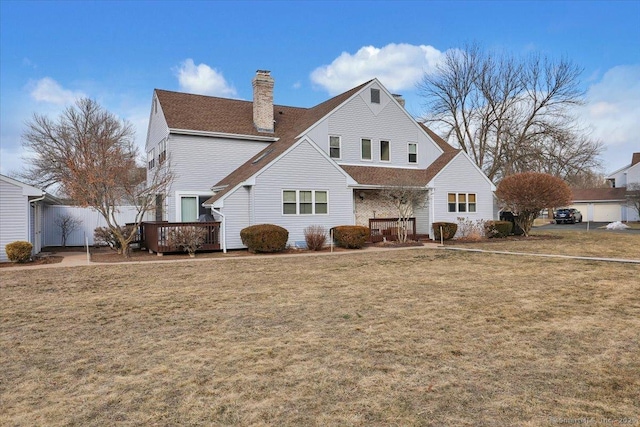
[(253, 162)]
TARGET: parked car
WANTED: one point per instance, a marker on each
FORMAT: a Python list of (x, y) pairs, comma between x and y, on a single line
[(567, 216)]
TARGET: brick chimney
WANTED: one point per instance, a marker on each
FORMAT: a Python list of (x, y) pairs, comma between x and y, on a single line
[(263, 101), (399, 98)]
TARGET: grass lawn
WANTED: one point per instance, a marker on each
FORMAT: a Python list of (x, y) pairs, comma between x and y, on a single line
[(411, 337), (600, 244)]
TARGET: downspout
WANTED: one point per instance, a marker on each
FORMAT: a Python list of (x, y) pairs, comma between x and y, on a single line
[(223, 230)]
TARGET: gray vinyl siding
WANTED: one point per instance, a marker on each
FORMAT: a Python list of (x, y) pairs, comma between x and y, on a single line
[(262, 203), (236, 211), (14, 216), (199, 162), (421, 215), (387, 121), (459, 176), (633, 174), (158, 128)]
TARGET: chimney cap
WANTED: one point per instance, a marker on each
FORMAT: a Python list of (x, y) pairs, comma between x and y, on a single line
[(267, 72)]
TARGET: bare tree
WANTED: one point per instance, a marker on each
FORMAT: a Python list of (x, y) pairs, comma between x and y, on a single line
[(89, 153), (633, 196), (406, 199), (67, 224), (526, 194), (511, 115)]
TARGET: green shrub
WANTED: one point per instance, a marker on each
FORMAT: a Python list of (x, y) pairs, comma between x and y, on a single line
[(19, 251), (264, 238), (351, 236), (448, 230), (499, 229)]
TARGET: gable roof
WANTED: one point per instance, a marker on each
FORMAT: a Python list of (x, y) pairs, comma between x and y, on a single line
[(304, 118), (201, 113), (380, 176), (27, 190), (222, 115), (444, 145), (598, 194)]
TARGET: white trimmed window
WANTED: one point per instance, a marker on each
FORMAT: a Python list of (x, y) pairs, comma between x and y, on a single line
[(151, 158), (385, 151), (334, 147), (305, 202), (461, 202), (365, 149), (162, 151), (412, 149)]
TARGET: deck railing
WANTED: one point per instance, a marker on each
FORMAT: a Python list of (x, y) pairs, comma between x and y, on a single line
[(156, 235), (387, 228)]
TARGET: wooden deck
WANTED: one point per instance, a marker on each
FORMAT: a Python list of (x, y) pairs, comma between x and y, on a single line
[(154, 235), (387, 229)]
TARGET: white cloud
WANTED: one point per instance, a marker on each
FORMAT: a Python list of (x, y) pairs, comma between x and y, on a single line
[(203, 80), (49, 90), (613, 105), (612, 109), (397, 66)]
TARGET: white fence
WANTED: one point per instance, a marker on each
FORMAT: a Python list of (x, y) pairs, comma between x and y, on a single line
[(89, 219)]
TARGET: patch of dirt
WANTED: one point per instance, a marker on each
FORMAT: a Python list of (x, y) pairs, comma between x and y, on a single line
[(396, 244), (107, 255), (503, 240)]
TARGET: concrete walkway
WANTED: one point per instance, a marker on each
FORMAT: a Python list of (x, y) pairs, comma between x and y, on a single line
[(79, 259), (586, 258)]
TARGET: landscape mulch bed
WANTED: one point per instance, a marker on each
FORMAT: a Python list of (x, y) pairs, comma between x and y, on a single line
[(35, 261)]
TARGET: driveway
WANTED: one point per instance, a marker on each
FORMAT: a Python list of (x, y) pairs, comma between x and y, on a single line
[(582, 226)]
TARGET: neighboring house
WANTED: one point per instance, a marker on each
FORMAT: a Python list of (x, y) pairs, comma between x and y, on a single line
[(256, 162), (629, 174), (21, 214), (610, 204)]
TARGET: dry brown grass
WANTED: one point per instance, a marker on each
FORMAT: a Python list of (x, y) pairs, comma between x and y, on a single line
[(601, 244), (411, 337)]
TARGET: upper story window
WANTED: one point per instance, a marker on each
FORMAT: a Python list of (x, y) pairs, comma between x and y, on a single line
[(461, 202), (162, 151), (305, 202), (365, 149), (375, 96), (385, 151), (151, 158), (413, 152), (334, 147)]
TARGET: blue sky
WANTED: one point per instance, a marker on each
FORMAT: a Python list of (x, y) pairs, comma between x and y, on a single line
[(118, 52)]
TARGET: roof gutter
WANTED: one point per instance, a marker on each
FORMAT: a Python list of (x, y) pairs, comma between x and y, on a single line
[(223, 135)]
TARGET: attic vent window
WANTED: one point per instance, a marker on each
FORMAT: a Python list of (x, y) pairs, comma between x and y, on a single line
[(375, 96), (262, 156)]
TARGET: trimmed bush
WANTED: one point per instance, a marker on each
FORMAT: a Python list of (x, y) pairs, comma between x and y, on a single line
[(315, 236), (499, 229), (19, 251), (448, 230), (264, 238), (351, 236)]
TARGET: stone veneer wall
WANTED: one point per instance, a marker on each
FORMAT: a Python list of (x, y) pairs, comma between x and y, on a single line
[(372, 206)]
